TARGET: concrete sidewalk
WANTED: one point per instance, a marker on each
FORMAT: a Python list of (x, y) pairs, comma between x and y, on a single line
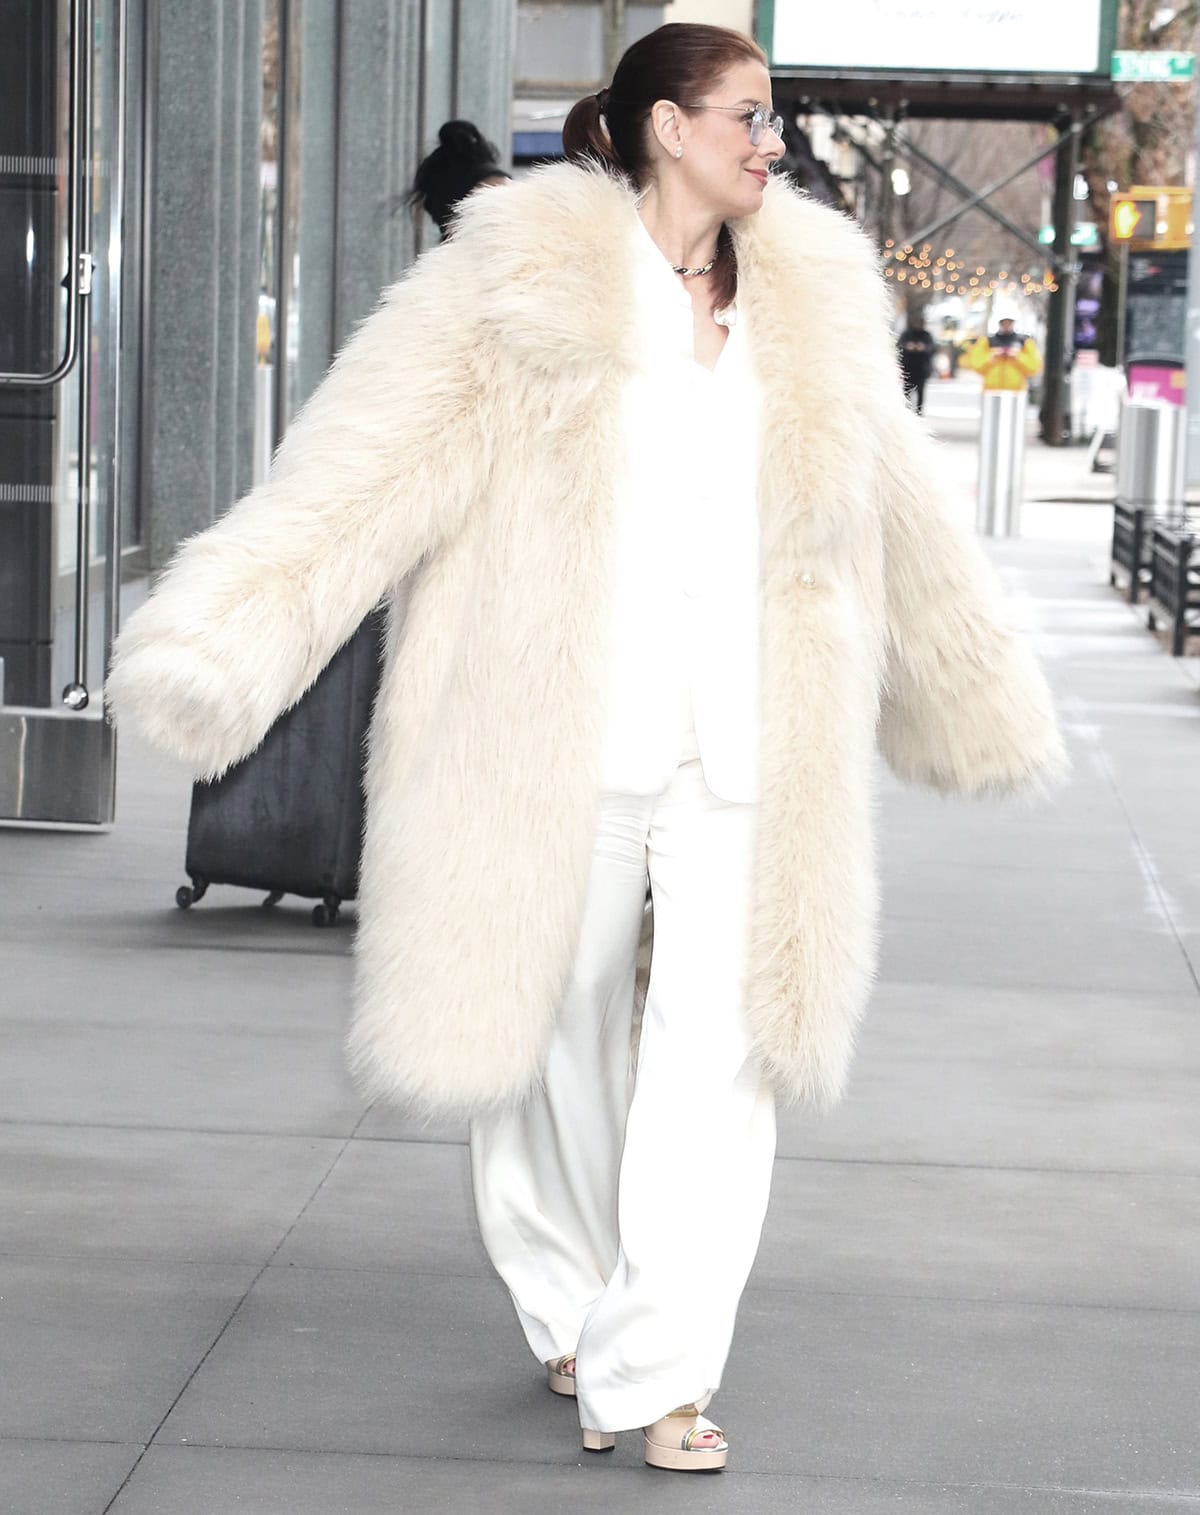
[(224, 1286)]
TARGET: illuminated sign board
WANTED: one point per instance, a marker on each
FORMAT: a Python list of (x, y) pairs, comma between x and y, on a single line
[(1065, 37)]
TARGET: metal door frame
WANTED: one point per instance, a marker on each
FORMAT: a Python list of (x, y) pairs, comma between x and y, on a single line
[(58, 765)]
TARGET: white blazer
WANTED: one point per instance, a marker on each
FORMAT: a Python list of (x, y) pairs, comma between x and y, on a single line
[(685, 622)]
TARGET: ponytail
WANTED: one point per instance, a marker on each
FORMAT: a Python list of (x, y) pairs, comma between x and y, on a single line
[(680, 61), (585, 134)]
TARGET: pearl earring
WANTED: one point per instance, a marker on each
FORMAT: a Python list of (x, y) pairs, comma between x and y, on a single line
[(679, 149)]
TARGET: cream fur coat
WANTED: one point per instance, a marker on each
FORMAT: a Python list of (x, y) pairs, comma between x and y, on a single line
[(466, 443)]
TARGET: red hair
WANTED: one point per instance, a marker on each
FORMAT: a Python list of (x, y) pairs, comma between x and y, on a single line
[(680, 61)]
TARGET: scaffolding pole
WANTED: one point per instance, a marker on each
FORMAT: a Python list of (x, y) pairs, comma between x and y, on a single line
[(1055, 415)]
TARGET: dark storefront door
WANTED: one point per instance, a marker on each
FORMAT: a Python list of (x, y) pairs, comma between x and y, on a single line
[(60, 294)]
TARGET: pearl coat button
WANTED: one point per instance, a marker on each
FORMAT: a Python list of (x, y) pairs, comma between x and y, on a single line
[(807, 580)]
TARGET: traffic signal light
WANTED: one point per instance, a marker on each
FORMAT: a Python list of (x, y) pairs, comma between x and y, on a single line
[(1132, 220)]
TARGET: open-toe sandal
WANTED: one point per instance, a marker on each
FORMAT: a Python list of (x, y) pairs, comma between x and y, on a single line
[(560, 1374), (685, 1442)]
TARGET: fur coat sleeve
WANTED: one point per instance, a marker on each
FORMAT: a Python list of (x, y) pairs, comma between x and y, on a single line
[(965, 707), (372, 475)]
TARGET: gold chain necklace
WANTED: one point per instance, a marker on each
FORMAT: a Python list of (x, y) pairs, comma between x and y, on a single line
[(691, 273)]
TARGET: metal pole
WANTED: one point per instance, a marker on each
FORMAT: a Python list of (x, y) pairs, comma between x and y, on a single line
[(423, 73), (887, 193), (1179, 609), (614, 36), (76, 695), (1059, 332), (1192, 402), (1001, 463), (283, 250), (1122, 292), (1138, 552)]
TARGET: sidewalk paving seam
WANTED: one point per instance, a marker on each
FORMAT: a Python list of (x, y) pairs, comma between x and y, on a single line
[(765, 1286), (973, 868), (1184, 1174), (755, 1287), (268, 949), (916, 1162), (1148, 869), (74, 1441), (149, 1127), (208, 1351), (16, 1122), (1186, 667), (481, 1273), (639, 1472), (191, 1028), (1027, 987)]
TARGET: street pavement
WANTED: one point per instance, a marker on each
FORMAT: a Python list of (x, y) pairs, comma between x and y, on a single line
[(225, 1286)]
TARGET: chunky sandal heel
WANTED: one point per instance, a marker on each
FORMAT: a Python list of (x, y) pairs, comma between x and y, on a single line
[(671, 1442), (560, 1374), (598, 1441)]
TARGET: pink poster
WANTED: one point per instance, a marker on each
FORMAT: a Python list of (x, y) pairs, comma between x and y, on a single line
[(1157, 381)]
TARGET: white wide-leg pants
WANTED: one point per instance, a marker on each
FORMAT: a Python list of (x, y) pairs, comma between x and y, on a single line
[(623, 1207)]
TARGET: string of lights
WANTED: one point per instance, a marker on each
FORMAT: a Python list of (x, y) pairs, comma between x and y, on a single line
[(946, 274)]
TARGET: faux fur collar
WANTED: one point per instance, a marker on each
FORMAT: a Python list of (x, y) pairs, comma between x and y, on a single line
[(555, 274), (551, 265)]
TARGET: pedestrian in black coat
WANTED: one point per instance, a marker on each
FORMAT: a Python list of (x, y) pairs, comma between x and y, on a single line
[(916, 349)]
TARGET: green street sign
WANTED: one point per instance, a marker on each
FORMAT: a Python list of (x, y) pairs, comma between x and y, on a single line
[(1083, 234), (1153, 68)]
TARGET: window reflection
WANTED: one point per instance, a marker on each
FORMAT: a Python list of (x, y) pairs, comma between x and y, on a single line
[(296, 167), (266, 320), (292, 144)]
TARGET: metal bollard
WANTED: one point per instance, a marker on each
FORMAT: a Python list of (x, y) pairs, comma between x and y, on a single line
[(1001, 463), (264, 420), (1150, 456)]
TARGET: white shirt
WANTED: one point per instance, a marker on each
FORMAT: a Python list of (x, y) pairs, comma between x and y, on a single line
[(684, 665)]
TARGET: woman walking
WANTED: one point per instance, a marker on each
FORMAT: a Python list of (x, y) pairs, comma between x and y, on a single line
[(635, 440)]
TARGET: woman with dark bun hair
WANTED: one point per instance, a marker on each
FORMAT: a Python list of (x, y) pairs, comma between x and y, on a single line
[(462, 161), (676, 567)]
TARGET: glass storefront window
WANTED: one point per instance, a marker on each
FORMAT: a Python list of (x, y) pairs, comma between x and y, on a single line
[(293, 333), (60, 284), (266, 429)]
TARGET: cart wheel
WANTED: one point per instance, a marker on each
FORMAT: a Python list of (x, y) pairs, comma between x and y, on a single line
[(184, 896), (272, 899), (326, 913)]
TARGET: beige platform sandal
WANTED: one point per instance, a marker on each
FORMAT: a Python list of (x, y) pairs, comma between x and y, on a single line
[(685, 1442), (672, 1442), (560, 1374)]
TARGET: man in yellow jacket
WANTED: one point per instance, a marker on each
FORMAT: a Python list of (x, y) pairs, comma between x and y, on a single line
[(1005, 359)]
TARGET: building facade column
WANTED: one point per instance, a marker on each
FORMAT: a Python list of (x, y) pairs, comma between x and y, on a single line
[(377, 79)]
